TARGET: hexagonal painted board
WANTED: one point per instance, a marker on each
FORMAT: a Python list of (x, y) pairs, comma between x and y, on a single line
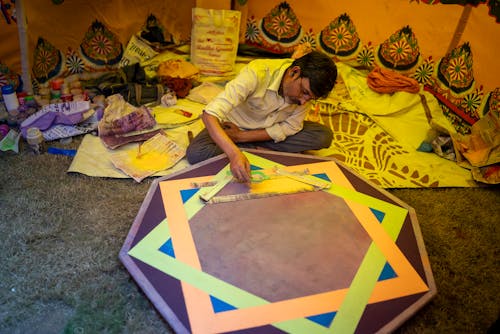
[(347, 259)]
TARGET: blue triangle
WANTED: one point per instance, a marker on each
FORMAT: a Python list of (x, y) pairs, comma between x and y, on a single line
[(323, 176), (324, 319), (387, 272), (186, 194), (378, 214), (220, 306), (253, 167), (168, 248)]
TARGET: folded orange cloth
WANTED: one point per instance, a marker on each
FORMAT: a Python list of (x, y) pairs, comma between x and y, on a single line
[(177, 68), (387, 81)]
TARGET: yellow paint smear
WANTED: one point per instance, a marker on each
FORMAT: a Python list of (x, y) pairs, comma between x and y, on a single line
[(156, 154), (280, 185), (149, 161)]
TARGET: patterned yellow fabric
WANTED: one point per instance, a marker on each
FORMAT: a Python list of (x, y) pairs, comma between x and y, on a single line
[(383, 147)]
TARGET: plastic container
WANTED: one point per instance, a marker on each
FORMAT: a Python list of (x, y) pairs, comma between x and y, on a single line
[(10, 98), (4, 129), (66, 97), (35, 140), (56, 83), (21, 97), (55, 94)]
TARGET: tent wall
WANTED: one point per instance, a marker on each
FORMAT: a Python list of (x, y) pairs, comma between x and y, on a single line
[(483, 31), (438, 27), (435, 26), (9, 39), (65, 25)]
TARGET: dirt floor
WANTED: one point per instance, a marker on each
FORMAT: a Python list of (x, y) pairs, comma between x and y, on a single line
[(60, 235)]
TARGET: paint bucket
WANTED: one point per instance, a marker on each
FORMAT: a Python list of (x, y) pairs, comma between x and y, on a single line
[(44, 93), (76, 91), (21, 97), (4, 129), (66, 97), (65, 89), (56, 84), (76, 84), (55, 94)]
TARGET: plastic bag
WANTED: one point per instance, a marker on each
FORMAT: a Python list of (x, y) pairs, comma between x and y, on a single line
[(214, 40), (10, 141), (482, 146)]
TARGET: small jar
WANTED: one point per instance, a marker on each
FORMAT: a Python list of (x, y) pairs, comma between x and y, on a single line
[(35, 140)]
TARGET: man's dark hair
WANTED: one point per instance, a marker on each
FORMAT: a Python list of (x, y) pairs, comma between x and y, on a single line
[(320, 70)]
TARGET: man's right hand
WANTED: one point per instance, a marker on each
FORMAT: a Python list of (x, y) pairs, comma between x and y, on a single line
[(240, 166), (238, 162)]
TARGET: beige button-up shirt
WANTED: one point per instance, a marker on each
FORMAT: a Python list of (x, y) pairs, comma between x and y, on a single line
[(251, 100)]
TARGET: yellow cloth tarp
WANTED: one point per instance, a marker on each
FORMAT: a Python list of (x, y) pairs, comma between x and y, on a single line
[(378, 135), (94, 159)]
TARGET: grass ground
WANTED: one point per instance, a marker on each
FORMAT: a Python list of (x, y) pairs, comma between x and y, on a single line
[(60, 235)]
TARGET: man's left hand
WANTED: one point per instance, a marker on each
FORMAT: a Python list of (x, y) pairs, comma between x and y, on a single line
[(232, 130)]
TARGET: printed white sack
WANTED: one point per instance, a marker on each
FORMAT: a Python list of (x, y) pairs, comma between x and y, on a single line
[(214, 40), (137, 51)]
